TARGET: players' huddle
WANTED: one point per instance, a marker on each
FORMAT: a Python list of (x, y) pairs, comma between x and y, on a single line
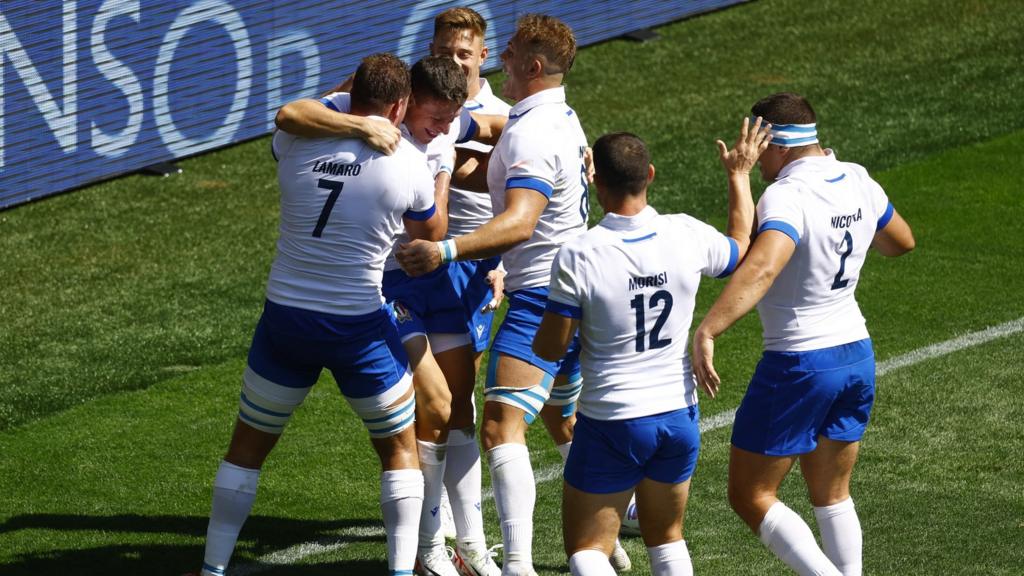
[(413, 201)]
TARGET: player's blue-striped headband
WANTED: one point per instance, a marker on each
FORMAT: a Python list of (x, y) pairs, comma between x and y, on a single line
[(792, 135)]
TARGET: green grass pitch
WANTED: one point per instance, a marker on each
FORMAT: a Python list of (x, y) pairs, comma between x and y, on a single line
[(127, 308)]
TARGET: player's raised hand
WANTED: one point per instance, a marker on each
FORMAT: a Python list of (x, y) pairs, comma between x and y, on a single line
[(588, 163), (496, 280), (418, 257), (704, 362), (381, 135), (752, 141)]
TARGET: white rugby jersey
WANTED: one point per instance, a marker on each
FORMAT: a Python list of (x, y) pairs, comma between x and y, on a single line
[(542, 149), (831, 210), (342, 205), (468, 210), (439, 152), (632, 282)]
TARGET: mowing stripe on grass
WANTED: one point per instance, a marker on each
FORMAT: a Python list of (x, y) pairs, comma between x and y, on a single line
[(722, 419)]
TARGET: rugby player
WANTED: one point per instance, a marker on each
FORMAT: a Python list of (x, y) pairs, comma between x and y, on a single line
[(538, 184), (812, 392), (630, 285), (343, 205)]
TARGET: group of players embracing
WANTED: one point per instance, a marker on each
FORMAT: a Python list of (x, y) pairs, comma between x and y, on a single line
[(414, 200)]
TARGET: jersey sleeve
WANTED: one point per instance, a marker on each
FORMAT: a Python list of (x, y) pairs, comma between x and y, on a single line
[(338, 101), (441, 159), (421, 205), (564, 291), (718, 253), (880, 201), (779, 209), (534, 165), (464, 127)]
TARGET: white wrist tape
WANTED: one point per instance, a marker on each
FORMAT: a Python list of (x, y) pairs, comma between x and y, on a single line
[(448, 250)]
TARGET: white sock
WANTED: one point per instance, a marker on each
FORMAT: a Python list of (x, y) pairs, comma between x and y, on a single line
[(789, 537), (515, 494), (672, 559), (462, 477), (234, 491), (563, 449), (841, 536), (401, 498), (590, 562), (432, 458)]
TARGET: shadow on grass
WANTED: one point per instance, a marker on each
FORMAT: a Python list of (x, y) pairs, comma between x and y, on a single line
[(268, 546)]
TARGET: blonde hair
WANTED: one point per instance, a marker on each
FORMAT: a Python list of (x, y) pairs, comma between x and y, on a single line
[(460, 18), (547, 36)]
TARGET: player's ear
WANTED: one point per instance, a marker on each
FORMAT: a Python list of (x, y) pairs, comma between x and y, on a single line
[(536, 68), (483, 54), (650, 174)]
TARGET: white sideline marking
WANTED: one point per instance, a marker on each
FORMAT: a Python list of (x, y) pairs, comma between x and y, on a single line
[(720, 420)]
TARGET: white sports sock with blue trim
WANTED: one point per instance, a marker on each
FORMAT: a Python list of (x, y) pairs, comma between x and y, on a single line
[(786, 534), (401, 498), (432, 464), (462, 477), (672, 559), (590, 562), (841, 536), (234, 491), (515, 494)]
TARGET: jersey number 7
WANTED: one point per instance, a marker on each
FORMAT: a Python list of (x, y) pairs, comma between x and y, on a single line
[(335, 188)]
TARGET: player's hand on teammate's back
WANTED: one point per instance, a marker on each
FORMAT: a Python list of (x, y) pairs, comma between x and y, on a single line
[(496, 280), (418, 257), (382, 135), (704, 363), (748, 148)]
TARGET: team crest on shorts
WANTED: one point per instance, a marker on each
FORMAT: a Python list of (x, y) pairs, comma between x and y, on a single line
[(402, 314)]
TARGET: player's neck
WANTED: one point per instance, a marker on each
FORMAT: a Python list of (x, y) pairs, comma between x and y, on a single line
[(627, 206), (474, 89)]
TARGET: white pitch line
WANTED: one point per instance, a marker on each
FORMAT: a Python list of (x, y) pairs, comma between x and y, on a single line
[(720, 420)]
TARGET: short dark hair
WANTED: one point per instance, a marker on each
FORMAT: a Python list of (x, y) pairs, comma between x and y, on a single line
[(621, 162), (543, 35), (439, 78), (785, 108), (381, 80)]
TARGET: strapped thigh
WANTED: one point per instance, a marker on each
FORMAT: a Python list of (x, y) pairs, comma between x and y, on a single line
[(381, 415), (530, 399), (265, 405)]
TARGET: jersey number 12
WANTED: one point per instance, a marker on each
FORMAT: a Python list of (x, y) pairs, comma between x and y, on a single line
[(637, 304)]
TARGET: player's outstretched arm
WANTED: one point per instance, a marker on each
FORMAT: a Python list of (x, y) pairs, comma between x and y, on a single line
[(895, 238), (768, 256), (738, 162), (523, 207), (488, 127), (471, 170), (311, 119), (554, 336)]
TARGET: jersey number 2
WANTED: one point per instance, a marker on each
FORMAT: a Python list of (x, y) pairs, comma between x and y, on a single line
[(838, 282), (637, 304), (335, 188)]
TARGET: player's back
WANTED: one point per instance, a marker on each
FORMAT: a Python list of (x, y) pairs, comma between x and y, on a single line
[(834, 209), (341, 209), (636, 280), (541, 147)]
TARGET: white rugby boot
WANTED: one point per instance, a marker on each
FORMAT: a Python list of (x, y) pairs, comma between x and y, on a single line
[(476, 562), (435, 561)]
